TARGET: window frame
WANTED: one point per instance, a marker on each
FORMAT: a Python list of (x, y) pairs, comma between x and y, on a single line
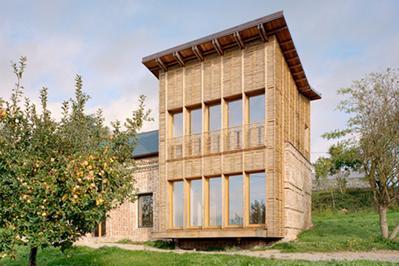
[(172, 205), (207, 202), (227, 196), (248, 192), (189, 181), (139, 211)]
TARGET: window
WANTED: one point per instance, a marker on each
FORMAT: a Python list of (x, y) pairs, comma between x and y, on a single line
[(177, 122), (215, 201), (257, 198), (145, 210), (233, 139), (100, 229), (214, 125), (235, 199), (196, 121), (215, 117), (257, 109), (178, 203), (306, 138), (196, 202), (235, 113)]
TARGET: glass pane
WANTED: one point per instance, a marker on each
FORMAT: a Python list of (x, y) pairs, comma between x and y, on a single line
[(215, 201), (196, 121), (178, 125), (178, 203), (196, 202), (145, 210), (235, 199), (257, 198), (257, 109), (235, 113), (215, 119)]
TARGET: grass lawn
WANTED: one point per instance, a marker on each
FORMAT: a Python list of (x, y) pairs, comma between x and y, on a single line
[(356, 231), (115, 256)]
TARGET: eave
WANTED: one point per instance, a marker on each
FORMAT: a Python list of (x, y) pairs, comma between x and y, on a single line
[(238, 36)]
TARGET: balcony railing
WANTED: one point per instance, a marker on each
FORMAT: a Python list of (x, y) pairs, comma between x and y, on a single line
[(255, 135), (192, 145), (213, 143), (233, 138), (236, 138), (175, 148)]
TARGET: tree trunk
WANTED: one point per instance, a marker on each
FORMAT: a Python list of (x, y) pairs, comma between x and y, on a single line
[(32, 256), (394, 233), (382, 211)]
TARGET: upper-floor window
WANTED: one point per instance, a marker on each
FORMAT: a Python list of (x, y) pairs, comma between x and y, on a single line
[(234, 113), (215, 117), (145, 210), (177, 122), (256, 109), (196, 121)]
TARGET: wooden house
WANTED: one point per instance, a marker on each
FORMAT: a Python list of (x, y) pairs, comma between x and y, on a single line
[(234, 135)]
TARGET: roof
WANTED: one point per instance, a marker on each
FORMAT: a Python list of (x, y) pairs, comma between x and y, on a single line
[(147, 144), (257, 29)]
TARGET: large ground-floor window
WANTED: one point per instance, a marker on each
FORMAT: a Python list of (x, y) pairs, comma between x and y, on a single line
[(215, 201), (235, 183), (228, 200), (178, 203), (257, 198), (196, 202)]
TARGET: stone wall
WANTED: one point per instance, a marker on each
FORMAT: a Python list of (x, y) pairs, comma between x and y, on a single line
[(122, 222), (297, 192)]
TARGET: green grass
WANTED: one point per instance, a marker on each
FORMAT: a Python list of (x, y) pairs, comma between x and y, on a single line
[(114, 256), (337, 231)]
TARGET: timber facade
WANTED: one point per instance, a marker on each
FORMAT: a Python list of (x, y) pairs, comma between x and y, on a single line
[(234, 136)]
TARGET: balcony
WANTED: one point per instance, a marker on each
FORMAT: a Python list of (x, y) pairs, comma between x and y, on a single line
[(207, 143)]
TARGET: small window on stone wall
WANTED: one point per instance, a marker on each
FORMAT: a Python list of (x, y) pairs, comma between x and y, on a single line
[(100, 230), (145, 212)]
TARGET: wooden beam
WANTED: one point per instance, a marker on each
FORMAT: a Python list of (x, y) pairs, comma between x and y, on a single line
[(289, 51), (197, 53), (237, 38), (292, 59), (294, 66), (161, 64), (299, 72), (262, 32), (299, 80), (178, 58), (286, 42), (217, 46), (277, 30)]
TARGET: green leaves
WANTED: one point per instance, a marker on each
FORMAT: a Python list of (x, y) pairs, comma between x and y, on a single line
[(58, 179)]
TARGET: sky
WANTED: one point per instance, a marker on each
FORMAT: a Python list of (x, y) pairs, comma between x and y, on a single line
[(104, 41)]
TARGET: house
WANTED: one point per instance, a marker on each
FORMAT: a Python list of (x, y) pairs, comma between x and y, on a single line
[(231, 159)]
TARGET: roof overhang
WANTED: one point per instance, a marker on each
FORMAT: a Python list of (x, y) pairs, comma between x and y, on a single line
[(258, 29)]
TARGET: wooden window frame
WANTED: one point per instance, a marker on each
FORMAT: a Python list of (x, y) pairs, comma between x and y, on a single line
[(227, 201), (171, 205), (188, 182), (207, 202), (248, 196)]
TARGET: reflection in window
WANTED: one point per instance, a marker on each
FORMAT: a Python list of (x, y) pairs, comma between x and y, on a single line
[(196, 121), (178, 203), (196, 202), (215, 201), (257, 109), (235, 113), (235, 199), (257, 197), (145, 210), (177, 124), (215, 117)]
